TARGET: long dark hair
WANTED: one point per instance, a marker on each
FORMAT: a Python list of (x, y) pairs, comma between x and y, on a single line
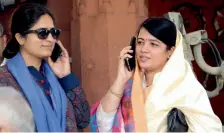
[(161, 28), (24, 18)]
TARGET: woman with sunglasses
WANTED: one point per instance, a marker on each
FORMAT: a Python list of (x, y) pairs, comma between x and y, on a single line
[(51, 89)]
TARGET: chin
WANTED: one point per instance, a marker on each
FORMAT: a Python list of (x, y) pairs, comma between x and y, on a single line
[(45, 55), (144, 66)]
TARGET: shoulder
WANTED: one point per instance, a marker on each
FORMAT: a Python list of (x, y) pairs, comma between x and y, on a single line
[(4, 73), (3, 69), (6, 78)]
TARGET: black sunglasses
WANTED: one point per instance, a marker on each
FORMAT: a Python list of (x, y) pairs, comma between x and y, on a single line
[(43, 33)]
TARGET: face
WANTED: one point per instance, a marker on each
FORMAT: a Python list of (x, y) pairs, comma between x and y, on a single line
[(32, 45), (151, 53)]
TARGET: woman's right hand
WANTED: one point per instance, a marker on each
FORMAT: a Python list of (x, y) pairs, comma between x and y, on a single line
[(112, 99), (123, 74)]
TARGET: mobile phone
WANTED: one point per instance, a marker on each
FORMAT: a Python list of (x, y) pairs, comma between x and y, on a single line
[(56, 52), (130, 62)]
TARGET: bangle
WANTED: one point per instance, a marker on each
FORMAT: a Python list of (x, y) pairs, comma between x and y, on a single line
[(116, 94)]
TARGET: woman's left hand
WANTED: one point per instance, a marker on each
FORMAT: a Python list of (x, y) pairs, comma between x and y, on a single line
[(61, 67)]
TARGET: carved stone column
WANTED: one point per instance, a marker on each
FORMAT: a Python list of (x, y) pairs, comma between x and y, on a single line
[(100, 29)]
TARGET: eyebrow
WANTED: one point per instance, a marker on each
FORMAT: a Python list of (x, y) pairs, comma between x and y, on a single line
[(154, 40), (141, 39)]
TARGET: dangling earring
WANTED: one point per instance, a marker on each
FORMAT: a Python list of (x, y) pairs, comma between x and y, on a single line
[(168, 57)]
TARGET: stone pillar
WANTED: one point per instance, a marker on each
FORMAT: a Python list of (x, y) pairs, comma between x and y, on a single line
[(99, 30), (62, 14)]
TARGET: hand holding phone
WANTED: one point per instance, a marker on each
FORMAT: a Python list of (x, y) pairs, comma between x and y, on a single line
[(59, 60), (130, 62), (56, 52)]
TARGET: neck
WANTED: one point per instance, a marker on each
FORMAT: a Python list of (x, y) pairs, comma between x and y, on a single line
[(31, 60), (150, 76)]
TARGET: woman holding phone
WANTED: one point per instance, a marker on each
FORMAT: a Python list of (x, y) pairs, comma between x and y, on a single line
[(161, 94), (53, 92)]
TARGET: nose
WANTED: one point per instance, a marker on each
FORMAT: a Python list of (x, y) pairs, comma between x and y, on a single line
[(50, 38), (145, 48)]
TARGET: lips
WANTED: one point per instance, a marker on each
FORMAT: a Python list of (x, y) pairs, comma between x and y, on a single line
[(47, 46), (144, 58)]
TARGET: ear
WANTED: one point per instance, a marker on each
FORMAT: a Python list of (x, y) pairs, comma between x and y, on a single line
[(170, 51), (20, 39)]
